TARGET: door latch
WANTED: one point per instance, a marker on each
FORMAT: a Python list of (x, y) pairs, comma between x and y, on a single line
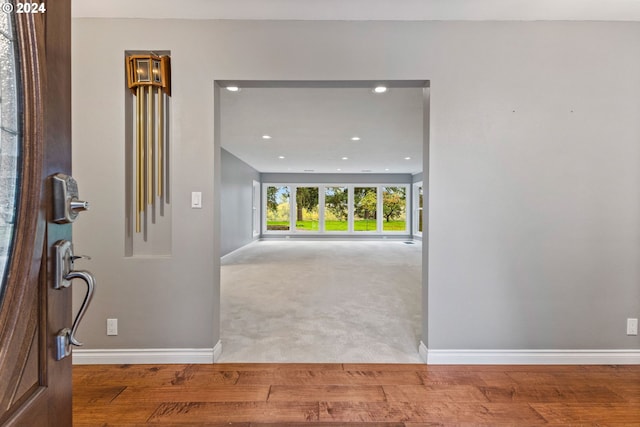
[(64, 274)]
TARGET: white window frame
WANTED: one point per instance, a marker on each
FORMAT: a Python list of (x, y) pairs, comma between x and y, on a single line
[(407, 208), (352, 209), (321, 209), (417, 210), (294, 209), (349, 208), (255, 208), (264, 207)]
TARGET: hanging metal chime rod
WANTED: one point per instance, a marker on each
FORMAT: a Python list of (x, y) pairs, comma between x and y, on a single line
[(149, 77)]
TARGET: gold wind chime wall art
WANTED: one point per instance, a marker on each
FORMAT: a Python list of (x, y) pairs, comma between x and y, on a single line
[(149, 79)]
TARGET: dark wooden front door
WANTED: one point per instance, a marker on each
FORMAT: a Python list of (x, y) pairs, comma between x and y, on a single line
[(35, 388)]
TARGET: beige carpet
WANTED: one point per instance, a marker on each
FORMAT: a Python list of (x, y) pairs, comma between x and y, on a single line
[(322, 302)]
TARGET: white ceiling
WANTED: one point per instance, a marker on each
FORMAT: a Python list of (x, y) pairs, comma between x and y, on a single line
[(312, 128), (412, 10)]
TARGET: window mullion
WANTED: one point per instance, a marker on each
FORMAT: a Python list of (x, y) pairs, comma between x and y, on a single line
[(379, 209), (321, 199), (292, 208)]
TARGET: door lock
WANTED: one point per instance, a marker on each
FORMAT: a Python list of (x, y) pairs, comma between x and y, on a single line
[(66, 205)]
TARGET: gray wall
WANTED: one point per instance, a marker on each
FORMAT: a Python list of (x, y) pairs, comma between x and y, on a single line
[(534, 171), (236, 203)]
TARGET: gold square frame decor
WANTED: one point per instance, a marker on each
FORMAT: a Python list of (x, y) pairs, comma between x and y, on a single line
[(149, 70), (149, 79)]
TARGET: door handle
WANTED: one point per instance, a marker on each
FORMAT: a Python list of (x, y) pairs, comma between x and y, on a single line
[(67, 337), (63, 276), (91, 285)]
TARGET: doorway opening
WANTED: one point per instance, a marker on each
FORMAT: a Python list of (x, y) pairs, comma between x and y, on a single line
[(328, 276)]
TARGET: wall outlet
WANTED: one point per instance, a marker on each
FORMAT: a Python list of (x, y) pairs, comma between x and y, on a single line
[(112, 326), (632, 326)]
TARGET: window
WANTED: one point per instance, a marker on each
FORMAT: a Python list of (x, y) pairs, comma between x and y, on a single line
[(255, 206), (10, 143), (365, 207), (394, 209), (278, 214), (307, 215), (336, 209), (417, 206), (420, 210)]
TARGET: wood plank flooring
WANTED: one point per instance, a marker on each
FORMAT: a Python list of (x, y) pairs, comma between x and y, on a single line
[(325, 395)]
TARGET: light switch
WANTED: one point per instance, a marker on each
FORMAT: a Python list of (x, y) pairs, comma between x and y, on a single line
[(196, 200)]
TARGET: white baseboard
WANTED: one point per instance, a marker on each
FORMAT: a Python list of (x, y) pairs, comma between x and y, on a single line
[(431, 357), (217, 351), (236, 250), (146, 356), (423, 351), (530, 357)]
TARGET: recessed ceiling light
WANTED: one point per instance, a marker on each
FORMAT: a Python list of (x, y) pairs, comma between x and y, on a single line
[(281, 157), (266, 137), (233, 88), (407, 158), (338, 169), (380, 89), (386, 169), (345, 158), (355, 138)]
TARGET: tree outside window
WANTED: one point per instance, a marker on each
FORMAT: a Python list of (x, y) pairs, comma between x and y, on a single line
[(278, 208), (394, 205), (336, 209), (307, 217), (365, 206)]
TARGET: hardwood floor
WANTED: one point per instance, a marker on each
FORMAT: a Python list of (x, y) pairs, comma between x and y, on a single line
[(359, 395)]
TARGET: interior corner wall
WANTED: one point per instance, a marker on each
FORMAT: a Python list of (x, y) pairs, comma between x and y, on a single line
[(534, 171), (236, 202)]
